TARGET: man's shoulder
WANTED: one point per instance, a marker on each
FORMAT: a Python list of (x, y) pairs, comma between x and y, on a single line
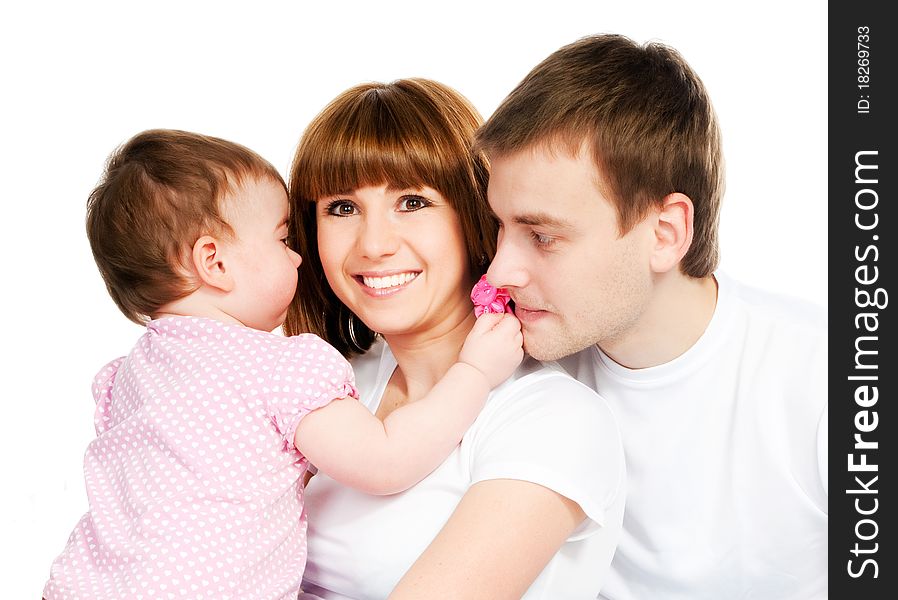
[(777, 337), (782, 314)]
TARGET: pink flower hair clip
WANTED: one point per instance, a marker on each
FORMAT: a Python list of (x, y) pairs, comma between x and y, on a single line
[(488, 299)]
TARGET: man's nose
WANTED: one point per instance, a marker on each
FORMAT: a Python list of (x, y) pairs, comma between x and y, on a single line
[(508, 269)]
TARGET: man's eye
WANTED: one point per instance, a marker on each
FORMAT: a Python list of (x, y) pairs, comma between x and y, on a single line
[(413, 203), (540, 240)]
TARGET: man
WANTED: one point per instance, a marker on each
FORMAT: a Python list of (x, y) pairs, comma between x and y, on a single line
[(607, 177)]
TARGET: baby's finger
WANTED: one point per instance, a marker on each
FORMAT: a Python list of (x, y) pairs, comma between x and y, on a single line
[(509, 323), (486, 322)]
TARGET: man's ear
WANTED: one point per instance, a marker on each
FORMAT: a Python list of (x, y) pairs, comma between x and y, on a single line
[(209, 261), (673, 232)]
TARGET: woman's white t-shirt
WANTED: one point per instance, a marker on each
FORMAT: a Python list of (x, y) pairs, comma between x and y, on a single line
[(540, 426)]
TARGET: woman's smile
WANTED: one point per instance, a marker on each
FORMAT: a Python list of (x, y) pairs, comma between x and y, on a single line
[(386, 283)]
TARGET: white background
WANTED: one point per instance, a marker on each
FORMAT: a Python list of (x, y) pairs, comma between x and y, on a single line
[(79, 78)]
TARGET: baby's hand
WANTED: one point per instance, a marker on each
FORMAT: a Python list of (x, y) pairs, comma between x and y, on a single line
[(494, 346)]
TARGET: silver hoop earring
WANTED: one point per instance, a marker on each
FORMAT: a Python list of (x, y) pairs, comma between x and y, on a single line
[(352, 337)]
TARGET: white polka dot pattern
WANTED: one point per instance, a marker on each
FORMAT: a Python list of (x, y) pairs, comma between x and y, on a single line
[(194, 485)]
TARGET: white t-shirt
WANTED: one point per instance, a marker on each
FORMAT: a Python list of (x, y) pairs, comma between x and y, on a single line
[(539, 426), (726, 456)]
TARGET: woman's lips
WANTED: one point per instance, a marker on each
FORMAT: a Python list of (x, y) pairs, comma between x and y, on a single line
[(385, 284)]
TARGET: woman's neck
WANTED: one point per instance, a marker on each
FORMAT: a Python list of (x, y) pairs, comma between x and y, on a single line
[(424, 357)]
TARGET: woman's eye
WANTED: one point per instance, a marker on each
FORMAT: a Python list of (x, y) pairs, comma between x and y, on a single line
[(413, 203), (340, 208)]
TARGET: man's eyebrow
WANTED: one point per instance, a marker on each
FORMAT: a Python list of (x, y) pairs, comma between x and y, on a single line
[(541, 219)]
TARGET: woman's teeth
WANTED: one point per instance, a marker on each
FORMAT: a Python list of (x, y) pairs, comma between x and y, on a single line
[(379, 283)]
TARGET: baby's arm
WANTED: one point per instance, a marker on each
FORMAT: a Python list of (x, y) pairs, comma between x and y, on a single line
[(351, 445)]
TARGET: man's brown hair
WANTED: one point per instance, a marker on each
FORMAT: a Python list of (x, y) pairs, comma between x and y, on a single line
[(641, 112), (161, 191), (407, 134)]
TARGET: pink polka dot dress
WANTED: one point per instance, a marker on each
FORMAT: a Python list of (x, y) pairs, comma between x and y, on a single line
[(194, 484)]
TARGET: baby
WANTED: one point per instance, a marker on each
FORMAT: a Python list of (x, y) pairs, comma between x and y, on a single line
[(206, 429)]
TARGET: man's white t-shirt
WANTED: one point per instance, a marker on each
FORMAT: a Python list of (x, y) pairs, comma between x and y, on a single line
[(539, 426), (726, 456)]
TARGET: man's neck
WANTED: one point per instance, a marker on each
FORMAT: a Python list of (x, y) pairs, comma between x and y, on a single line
[(675, 318)]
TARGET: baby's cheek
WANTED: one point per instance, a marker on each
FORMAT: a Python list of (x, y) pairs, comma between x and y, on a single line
[(287, 287)]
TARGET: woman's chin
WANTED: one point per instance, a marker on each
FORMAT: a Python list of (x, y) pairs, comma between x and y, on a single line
[(391, 327)]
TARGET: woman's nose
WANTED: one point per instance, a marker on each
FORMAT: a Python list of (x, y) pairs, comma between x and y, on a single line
[(378, 237)]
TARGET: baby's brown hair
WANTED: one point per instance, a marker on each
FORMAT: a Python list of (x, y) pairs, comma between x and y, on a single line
[(161, 191)]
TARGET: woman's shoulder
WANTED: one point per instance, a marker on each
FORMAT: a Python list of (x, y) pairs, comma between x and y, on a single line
[(543, 396), (543, 426), (535, 381)]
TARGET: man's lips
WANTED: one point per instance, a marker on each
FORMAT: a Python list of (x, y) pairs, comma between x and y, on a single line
[(525, 311)]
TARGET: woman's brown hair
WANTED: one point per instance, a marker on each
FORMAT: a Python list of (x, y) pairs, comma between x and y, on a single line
[(407, 134)]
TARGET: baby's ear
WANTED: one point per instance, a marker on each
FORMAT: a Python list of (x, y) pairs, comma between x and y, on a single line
[(209, 262)]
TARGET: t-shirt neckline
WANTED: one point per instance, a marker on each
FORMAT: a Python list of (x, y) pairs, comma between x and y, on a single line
[(692, 358)]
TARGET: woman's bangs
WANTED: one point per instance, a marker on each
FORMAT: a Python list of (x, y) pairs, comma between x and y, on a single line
[(368, 154)]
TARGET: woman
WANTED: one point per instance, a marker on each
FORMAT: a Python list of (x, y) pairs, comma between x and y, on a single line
[(390, 216)]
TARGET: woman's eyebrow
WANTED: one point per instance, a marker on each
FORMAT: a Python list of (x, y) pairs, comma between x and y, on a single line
[(405, 188)]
